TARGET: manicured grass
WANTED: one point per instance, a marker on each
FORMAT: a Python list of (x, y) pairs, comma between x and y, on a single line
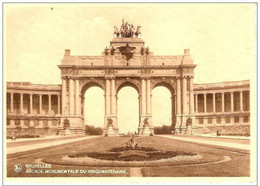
[(238, 166)]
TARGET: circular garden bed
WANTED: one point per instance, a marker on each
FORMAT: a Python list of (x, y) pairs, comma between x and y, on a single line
[(125, 157)]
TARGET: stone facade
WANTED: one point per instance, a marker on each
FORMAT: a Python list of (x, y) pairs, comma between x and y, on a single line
[(222, 104), (127, 62), (32, 106)]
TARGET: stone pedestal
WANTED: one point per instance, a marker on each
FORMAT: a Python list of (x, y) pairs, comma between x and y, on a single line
[(76, 125), (188, 130), (110, 130), (146, 130), (232, 120), (67, 132), (66, 127), (188, 126), (31, 123), (110, 126)]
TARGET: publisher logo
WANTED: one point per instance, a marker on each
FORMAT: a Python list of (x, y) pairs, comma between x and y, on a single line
[(17, 168)]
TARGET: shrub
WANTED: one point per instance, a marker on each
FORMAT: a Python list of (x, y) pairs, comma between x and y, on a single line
[(91, 130), (162, 130)]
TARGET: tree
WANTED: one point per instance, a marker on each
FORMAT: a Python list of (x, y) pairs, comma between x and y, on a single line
[(162, 130), (91, 130)]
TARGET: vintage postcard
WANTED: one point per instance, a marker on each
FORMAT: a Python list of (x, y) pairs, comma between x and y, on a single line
[(155, 93)]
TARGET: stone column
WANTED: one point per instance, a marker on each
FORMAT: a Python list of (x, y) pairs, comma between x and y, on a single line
[(148, 96), (223, 101), (107, 97), (77, 100), (31, 103), (214, 102), (151, 103), (184, 95), (58, 104), (178, 105), (71, 96), (140, 108), (116, 103), (63, 96), (143, 97), (205, 102), (12, 101), (21, 103), (241, 100), (178, 96), (191, 97), (40, 103), (196, 100), (113, 96), (232, 102), (49, 104)]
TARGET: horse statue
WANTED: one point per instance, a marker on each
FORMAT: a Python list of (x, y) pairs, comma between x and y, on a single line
[(138, 31), (132, 30), (116, 32), (122, 31)]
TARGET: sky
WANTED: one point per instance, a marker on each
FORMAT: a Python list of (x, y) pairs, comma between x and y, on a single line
[(221, 37)]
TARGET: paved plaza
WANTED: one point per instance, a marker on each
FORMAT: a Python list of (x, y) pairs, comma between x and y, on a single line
[(23, 145)]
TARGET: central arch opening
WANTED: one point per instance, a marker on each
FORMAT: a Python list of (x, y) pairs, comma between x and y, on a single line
[(93, 109), (128, 110)]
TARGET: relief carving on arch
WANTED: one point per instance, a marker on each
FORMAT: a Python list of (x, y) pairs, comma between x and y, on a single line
[(170, 81), (85, 81), (135, 81)]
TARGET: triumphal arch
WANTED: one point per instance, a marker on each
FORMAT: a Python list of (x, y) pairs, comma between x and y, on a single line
[(127, 62), (59, 109)]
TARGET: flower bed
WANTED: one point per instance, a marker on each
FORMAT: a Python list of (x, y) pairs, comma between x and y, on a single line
[(126, 154)]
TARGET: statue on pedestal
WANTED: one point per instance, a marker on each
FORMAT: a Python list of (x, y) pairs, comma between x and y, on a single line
[(110, 130), (66, 124), (146, 130), (188, 126)]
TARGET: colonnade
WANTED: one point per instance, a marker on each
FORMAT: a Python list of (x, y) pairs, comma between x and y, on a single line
[(30, 111), (242, 101)]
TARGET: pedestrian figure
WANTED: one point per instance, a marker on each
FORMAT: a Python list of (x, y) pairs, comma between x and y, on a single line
[(218, 133)]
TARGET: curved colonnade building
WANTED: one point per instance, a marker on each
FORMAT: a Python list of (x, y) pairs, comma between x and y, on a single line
[(127, 62)]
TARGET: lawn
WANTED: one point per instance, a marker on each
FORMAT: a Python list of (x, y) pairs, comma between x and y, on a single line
[(237, 166)]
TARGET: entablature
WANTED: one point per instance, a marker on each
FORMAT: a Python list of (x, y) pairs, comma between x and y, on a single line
[(28, 88), (232, 86)]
